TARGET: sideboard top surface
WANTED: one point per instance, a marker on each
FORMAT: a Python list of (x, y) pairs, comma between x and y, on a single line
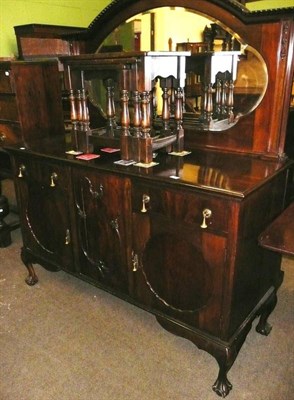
[(214, 172)]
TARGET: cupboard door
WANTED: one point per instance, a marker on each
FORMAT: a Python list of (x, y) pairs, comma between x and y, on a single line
[(43, 190), (102, 206), (178, 265)]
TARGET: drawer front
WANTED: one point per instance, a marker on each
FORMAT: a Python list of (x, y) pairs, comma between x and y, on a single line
[(8, 108), (182, 206), (6, 81), (46, 175), (10, 133)]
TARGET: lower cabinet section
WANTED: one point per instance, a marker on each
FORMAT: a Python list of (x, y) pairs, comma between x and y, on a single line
[(186, 255)]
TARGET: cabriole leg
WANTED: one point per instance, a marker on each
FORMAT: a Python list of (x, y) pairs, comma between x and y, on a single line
[(222, 385), (32, 278), (263, 327)]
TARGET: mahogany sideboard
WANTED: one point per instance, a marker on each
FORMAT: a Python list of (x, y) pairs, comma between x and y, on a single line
[(142, 234), (179, 238)]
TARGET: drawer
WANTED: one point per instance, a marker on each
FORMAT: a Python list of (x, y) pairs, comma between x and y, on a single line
[(42, 174), (8, 107), (10, 133), (6, 81), (181, 206)]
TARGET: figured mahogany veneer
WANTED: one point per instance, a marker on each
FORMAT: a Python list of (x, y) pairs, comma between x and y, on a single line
[(179, 239)]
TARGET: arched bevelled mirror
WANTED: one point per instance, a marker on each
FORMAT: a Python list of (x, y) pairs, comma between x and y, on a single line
[(224, 78)]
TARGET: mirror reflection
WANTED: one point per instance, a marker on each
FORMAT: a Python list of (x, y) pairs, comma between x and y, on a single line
[(224, 78)]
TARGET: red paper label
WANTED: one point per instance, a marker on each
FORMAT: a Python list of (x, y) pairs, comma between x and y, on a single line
[(88, 157)]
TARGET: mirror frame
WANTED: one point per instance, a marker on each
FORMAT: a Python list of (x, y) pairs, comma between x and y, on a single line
[(119, 11)]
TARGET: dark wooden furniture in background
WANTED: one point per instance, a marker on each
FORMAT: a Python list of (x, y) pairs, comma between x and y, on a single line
[(179, 239), (41, 40), (30, 99), (279, 235)]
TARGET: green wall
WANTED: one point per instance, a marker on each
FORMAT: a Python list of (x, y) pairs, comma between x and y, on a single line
[(56, 12), (269, 4), (67, 12)]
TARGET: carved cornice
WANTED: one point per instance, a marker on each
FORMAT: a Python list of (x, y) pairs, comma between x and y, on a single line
[(234, 6), (120, 10), (285, 40)]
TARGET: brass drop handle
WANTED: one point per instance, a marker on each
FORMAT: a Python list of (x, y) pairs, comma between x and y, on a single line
[(206, 214), (53, 179), (67, 237), (145, 200), (2, 136), (135, 262), (21, 170)]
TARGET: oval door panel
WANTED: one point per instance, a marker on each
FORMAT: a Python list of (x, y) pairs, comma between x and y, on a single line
[(176, 272)]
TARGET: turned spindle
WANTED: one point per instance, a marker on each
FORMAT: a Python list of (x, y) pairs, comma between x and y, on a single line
[(110, 108), (204, 104), (74, 119), (209, 105), (137, 120), (218, 98), (230, 101), (165, 111), (79, 109), (85, 111), (146, 154), (85, 121), (125, 127), (179, 146), (137, 113), (224, 99), (153, 102), (145, 122)]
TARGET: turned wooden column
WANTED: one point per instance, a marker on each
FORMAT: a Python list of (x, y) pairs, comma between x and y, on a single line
[(146, 154), (125, 143)]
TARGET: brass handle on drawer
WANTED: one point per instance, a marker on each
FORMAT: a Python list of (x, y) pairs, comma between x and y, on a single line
[(21, 170), (145, 200), (53, 179), (67, 237), (2, 137), (206, 214)]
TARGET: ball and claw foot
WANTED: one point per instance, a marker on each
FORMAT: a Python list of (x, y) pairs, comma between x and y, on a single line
[(32, 278), (263, 328), (222, 387)]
